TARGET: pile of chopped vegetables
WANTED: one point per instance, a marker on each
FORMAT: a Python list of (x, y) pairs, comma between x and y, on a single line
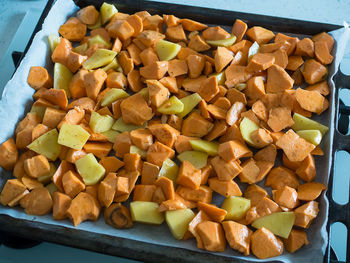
[(149, 117)]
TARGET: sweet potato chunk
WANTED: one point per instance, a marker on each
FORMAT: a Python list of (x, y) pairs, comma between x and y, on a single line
[(280, 118), (88, 15), (297, 238), (144, 192), (226, 171), (203, 194), (212, 236), (209, 88), (61, 203), (83, 207), (278, 80), (313, 71), (39, 78), (73, 29), (157, 153), (176, 33), (305, 214), (295, 148), (225, 188), (156, 70), (158, 94), (233, 150), (197, 43), (107, 189), (37, 166), (121, 29), (280, 177), (122, 144), (307, 169), (72, 185), (216, 214), (286, 197), (195, 125), (37, 202), (264, 244), (167, 187), (118, 216), (255, 194), (310, 100), (322, 53), (189, 176), (310, 191), (236, 74), (261, 138), (238, 29), (136, 115), (260, 61), (305, 48), (12, 189), (260, 34), (93, 82), (8, 154), (238, 236)]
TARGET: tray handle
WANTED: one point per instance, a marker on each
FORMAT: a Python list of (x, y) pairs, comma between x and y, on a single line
[(337, 212)]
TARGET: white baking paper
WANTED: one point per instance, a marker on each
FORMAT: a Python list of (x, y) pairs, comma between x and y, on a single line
[(17, 99)]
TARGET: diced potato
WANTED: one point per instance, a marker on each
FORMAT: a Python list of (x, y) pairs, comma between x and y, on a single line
[(73, 136), (178, 221), (81, 49), (247, 126), (39, 110), (211, 148), (121, 126), (89, 169), (241, 86), (167, 50), (135, 149), (146, 212), (45, 179), (47, 145), (253, 50), (223, 42), (51, 188), (198, 159), (111, 135), (107, 11), (53, 41), (313, 136), (236, 207), (171, 106), (100, 58), (112, 95), (99, 123), (100, 41), (169, 170), (144, 93), (221, 77), (96, 25), (304, 123), (61, 78), (279, 223), (113, 65), (189, 103)]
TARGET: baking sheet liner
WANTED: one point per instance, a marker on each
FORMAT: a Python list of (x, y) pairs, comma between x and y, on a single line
[(17, 99)]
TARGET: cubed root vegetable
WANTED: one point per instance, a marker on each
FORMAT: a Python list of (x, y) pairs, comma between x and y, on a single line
[(189, 108)]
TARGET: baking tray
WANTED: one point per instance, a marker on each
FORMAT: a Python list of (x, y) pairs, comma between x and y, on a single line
[(134, 249)]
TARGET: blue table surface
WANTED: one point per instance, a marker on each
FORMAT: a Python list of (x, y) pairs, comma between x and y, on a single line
[(18, 19)]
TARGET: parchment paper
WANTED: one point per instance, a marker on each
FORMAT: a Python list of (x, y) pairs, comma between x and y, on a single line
[(17, 99)]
